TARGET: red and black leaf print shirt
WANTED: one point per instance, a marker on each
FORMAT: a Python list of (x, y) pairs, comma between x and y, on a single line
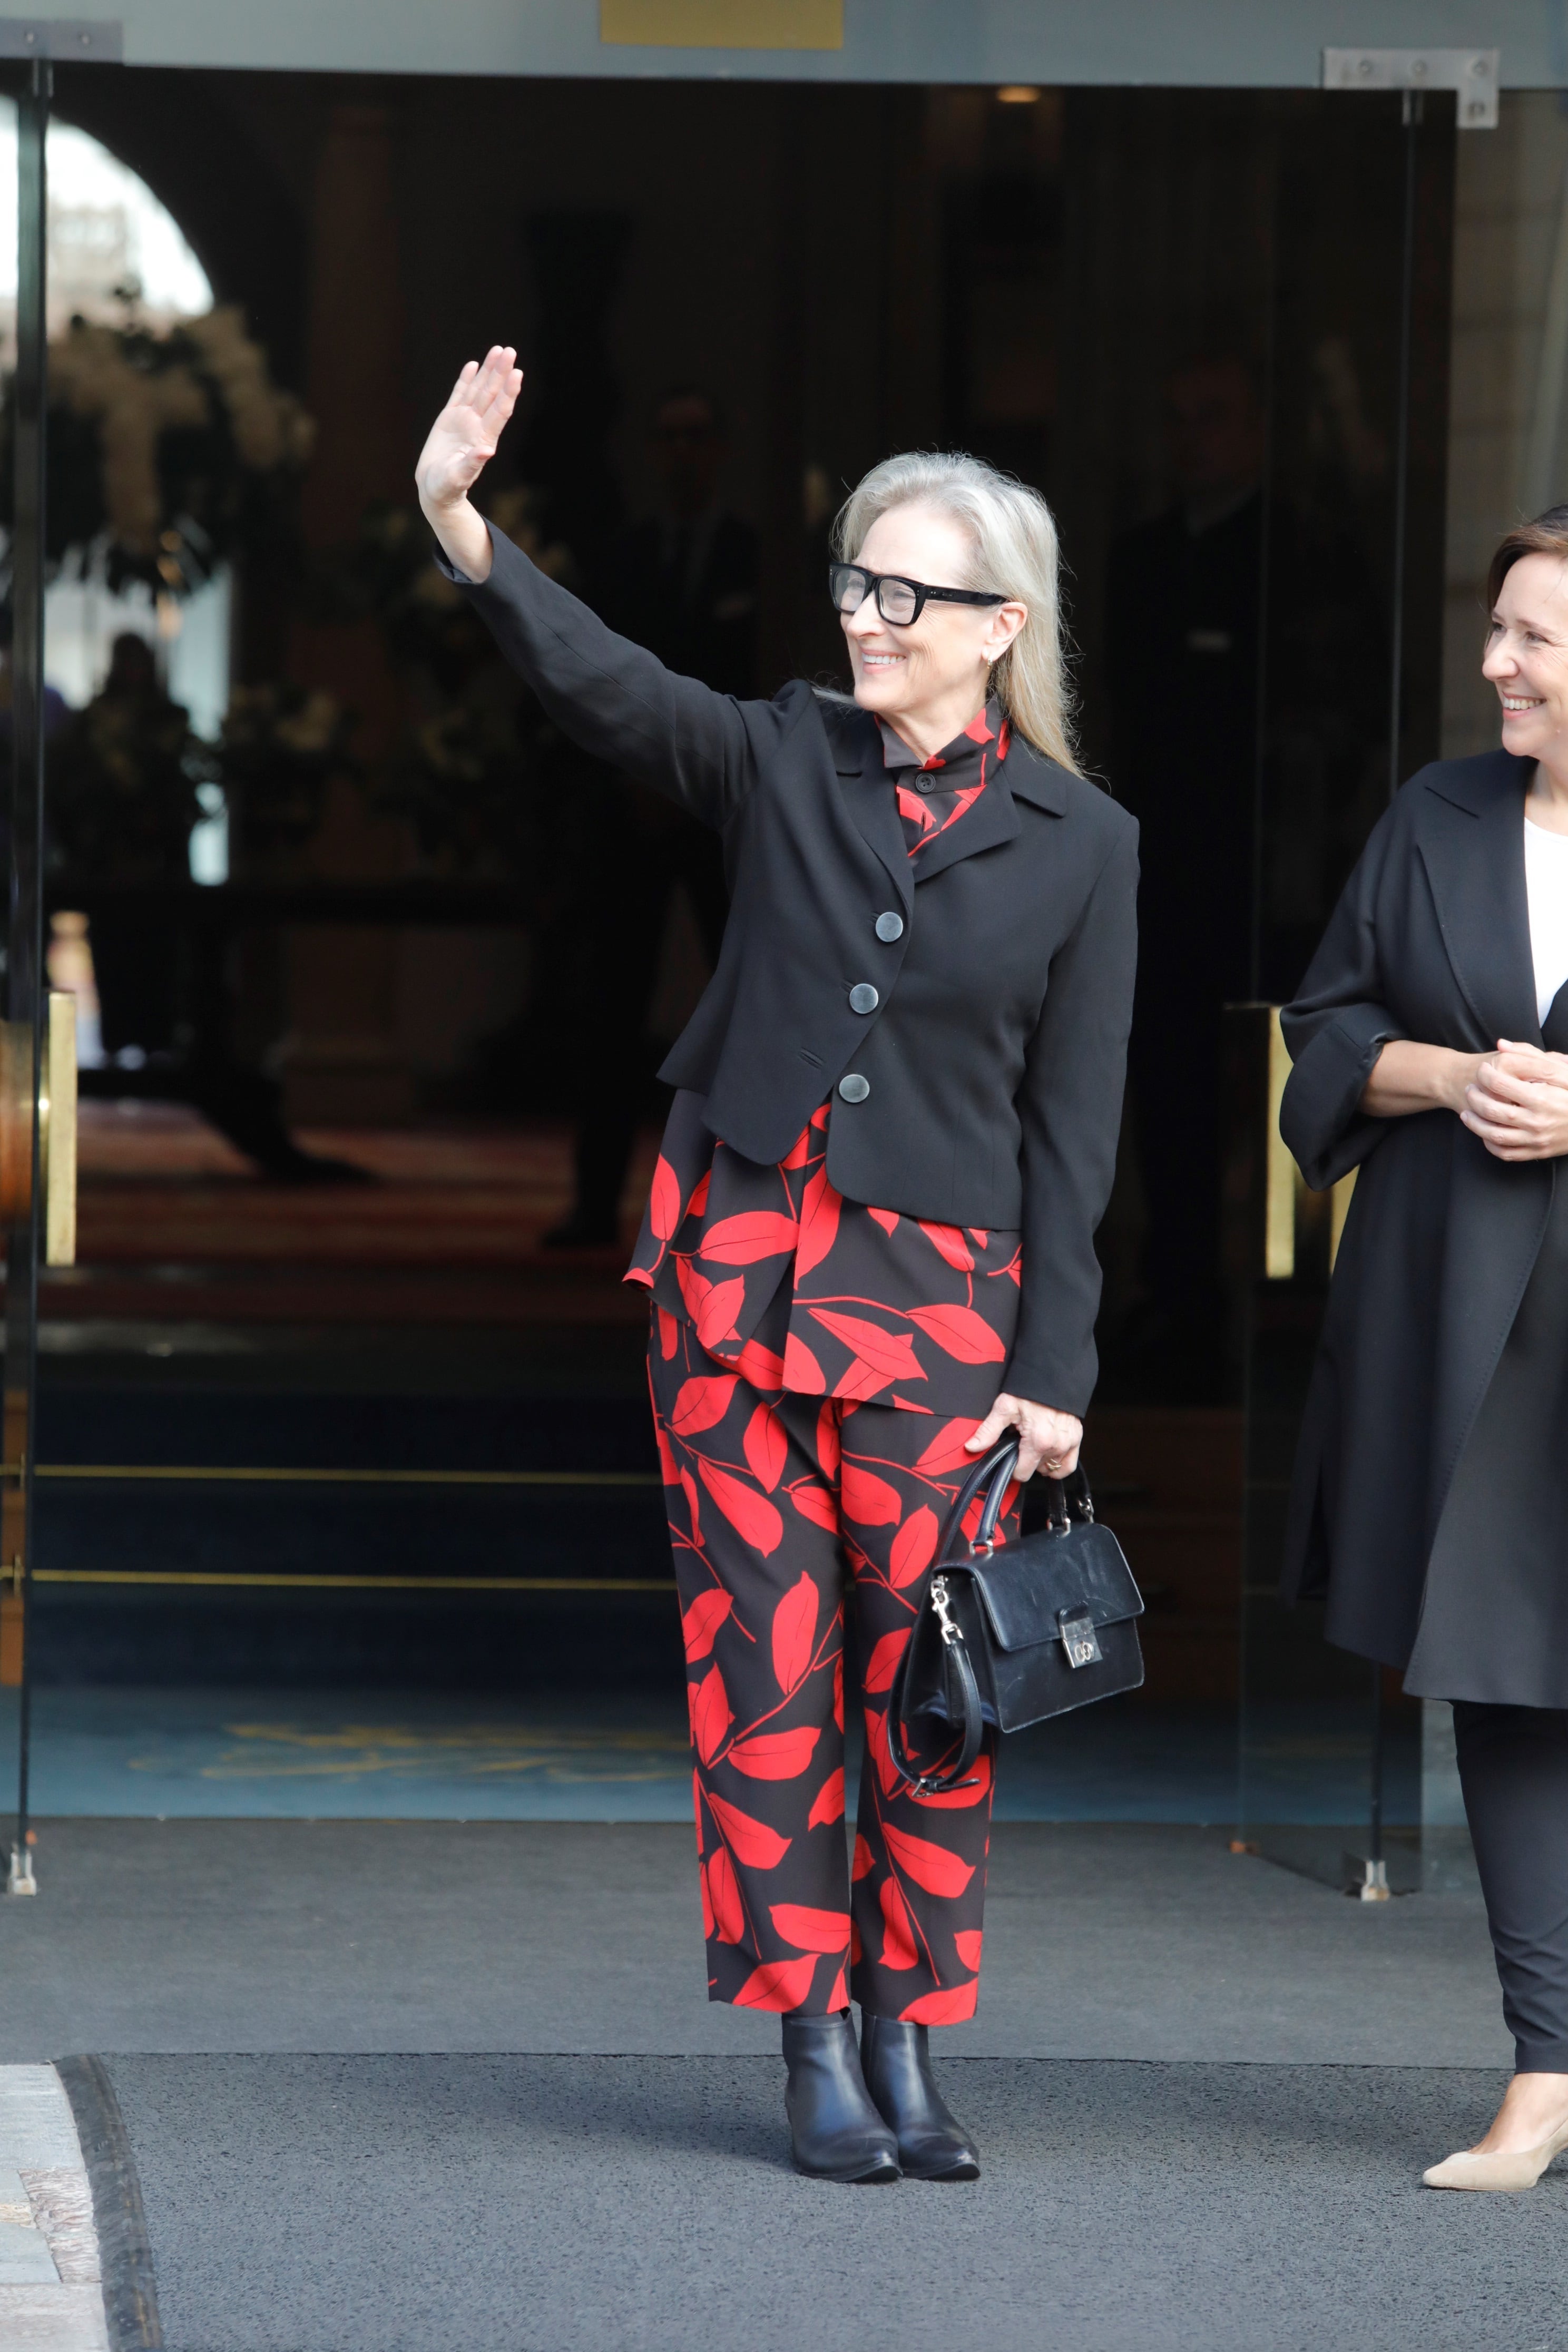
[(799, 1288)]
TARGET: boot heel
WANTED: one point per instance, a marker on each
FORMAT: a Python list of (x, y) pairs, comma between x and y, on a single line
[(895, 2058), (836, 2132)]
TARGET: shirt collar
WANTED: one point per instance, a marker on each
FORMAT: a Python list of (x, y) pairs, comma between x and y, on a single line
[(987, 725)]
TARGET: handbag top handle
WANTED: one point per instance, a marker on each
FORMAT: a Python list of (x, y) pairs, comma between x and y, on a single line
[(999, 1467)]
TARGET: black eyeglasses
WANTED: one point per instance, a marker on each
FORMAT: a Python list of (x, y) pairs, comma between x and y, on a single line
[(900, 602)]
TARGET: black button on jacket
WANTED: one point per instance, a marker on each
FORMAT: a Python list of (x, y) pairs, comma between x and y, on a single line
[(995, 1058)]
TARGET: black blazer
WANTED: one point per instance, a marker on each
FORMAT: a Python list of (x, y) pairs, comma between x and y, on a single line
[(1430, 940), (991, 1054)]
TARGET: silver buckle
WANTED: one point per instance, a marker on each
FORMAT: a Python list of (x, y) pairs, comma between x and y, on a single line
[(1079, 1639), (942, 1608)]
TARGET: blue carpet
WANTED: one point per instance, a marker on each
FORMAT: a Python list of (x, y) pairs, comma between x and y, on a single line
[(304, 1754)]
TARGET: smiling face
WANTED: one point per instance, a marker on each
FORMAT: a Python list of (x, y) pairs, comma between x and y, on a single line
[(928, 680), (1527, 661)]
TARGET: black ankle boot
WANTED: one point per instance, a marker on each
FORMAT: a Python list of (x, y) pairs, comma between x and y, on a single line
[(895, 2058), (835, 2130)]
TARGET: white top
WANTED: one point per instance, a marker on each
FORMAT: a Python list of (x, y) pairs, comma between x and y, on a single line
[(1546, 883)]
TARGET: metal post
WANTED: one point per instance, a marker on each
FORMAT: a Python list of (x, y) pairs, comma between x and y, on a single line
[(1414, 105), (26, 993)]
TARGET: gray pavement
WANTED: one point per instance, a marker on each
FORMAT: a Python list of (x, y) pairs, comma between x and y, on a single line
[(1147, 1943), (570, 2204), (393, 2085)]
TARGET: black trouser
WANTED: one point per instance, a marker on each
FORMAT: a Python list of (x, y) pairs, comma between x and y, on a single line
[(1513, 1768)]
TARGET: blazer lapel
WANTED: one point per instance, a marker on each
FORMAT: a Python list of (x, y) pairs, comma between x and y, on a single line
[(986, 822), (1472, 846), (866, 787)]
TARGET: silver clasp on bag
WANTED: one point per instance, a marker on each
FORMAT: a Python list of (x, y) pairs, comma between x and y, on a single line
[(1079, 1639), (942, 1608)]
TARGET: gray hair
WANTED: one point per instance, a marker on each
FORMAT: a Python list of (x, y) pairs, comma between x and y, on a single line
[(1014, 536)]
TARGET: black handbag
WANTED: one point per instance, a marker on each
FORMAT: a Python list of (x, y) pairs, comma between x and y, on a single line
[(1014, 1634)]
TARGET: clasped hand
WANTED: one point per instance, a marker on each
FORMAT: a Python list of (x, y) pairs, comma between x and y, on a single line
[(1517, 1101), (1047, 1440)]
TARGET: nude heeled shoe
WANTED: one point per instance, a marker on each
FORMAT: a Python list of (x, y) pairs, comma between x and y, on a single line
[(1468, 2170)]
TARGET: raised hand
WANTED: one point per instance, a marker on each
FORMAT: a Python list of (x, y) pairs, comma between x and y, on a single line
[(458, 448)]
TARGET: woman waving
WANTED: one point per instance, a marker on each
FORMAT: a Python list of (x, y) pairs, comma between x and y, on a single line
[(869, 1245)]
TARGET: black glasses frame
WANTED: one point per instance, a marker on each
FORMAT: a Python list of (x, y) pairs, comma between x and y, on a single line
[(838, 574)]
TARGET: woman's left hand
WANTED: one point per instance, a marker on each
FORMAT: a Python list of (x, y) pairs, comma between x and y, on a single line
[(1048, 1440), (1518, 1103)]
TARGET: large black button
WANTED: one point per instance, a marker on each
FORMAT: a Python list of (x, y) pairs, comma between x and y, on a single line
[(863, 998), (890, 927), (925, 783), (853, 1087)]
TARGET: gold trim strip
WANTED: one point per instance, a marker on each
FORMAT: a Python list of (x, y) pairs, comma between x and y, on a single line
[(722, 24), (357, 1583), (67, 1471)]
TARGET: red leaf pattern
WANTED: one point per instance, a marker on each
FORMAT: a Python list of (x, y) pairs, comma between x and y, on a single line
[(948, 1449), (794, 1632), (781, 1311), (931, 1866), (745, 1239), (776, 1985), (914, 1547), (700, 1622), (960, 1332), (700, 1404), (811, 1930), (664, 1199), (752, 1842), (760, 1366), (710, 1715), (828, 1805), (950, 2005), (898, 1942), (819, 1213), (724, 1893), (814, 1503), (716, 1316), (870, 1501), (766, 1446), (892, 1353), (949, 1242), (775, 1755), (883, 1663), (752, 1516)]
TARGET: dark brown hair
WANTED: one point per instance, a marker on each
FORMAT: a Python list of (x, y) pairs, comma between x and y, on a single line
[(1547, 535)]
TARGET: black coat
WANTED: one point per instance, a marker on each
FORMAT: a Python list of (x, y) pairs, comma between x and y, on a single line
[(1430, 940), (994, 1050)]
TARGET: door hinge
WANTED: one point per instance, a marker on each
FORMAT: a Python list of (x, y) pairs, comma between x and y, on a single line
[(1474, 74)]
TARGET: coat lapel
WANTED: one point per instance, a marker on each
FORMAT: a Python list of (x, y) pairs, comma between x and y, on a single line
[(986, 822), (1472, 846), (863, 780), (866, 784)]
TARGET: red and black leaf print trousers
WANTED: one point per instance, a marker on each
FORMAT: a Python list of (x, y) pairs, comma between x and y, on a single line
[(790, 1515)]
